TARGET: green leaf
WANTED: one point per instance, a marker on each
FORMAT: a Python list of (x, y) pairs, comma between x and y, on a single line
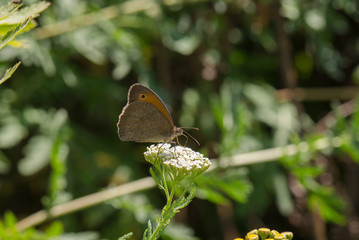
[(57, 178), (352, 150), (330, 207), (211, 195), (148, 232), (9, 219), (186, 200), (23, 14), (283, 197), (37, 155), (8, 9), (10, 35), (11, 132), (9, 72), (154, 175), (308, 171), (55, 229), (128, 235), (236, 189)]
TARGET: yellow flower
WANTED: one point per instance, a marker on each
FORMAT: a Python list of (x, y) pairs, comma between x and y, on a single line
[(252, 237)]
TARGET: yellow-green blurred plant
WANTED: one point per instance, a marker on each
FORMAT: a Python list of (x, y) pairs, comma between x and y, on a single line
[(15, 20), (8, 230)]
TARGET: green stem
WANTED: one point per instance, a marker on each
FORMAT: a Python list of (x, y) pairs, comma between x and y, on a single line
[(169, 199), (167, 209), (161, 223), (163, 172)]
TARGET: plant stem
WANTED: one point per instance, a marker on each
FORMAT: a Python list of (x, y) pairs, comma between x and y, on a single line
[(163, 172), (162, 222)]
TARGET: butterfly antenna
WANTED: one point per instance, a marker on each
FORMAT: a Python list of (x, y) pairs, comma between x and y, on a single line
[(189, 135), (177, 142), (186, 140)]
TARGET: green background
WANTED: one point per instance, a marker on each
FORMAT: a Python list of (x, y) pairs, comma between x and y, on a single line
[(226, 67)]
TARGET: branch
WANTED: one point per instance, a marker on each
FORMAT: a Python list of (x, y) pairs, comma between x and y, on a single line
[(85, 202)]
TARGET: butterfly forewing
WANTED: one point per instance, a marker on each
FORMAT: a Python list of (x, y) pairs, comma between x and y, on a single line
[(143, 122)]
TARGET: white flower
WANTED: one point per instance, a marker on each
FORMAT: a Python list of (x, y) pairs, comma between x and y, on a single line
[(179, 160)]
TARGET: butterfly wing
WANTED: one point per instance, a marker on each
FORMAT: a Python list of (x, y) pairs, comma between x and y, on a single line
[(138, 92), (143, 122)]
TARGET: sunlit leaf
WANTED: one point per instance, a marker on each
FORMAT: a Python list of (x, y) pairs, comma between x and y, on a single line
[(37, 155), (9, 72), (10, 35), (54, 229), (128, 235), (17, 43), (8, 9), (11, 133), (23, 14), (9, 219), (184, 44)]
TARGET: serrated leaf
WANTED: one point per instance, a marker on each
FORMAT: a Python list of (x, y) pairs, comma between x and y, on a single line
[(5, 28), (148, 231), (31, 11), (9, 73), (128, 235), (10, 35), (8, 9), (185, 200)]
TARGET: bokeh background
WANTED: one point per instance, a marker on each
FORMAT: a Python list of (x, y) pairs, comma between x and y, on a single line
[(250, 75)]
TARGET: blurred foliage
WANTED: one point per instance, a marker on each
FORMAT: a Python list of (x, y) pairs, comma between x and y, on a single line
[(8, 230), (218, 65), (14, 22)]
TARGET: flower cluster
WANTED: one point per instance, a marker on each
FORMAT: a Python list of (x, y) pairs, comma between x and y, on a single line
[(267, 234), (179, 161)]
